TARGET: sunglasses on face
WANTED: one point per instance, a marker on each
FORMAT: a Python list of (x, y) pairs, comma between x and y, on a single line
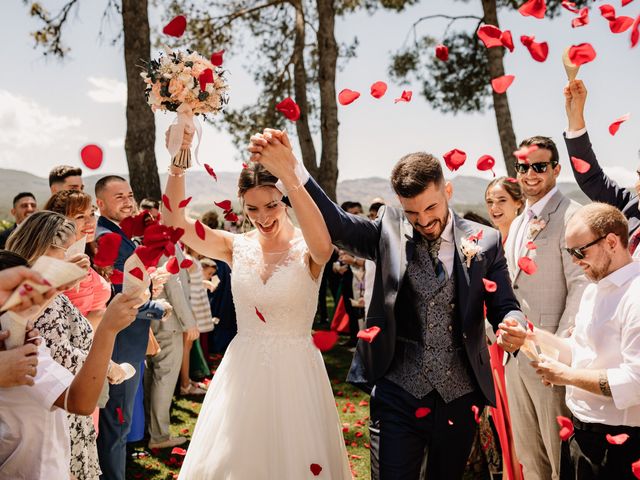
[(579, 251), (539, 167)]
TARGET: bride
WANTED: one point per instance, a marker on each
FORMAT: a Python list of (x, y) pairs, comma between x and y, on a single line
[(269, 412)]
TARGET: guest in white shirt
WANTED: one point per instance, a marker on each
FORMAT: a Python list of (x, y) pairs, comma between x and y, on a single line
[(600, 362)]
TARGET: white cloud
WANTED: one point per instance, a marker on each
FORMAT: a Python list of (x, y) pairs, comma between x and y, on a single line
[(107, 90), (26, 123)]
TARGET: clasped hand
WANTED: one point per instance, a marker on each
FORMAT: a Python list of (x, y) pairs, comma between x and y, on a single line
[(511, 335), (272, 149)]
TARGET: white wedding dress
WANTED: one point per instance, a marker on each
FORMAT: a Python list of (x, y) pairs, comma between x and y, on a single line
[(269, 412)]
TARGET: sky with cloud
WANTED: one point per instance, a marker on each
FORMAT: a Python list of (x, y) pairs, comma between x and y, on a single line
[(49, 108)]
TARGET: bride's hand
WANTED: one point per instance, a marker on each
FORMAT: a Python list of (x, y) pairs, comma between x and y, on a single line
[(271, 150), (187, 138)]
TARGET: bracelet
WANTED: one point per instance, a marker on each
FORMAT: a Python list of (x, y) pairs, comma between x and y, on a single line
[(173, 174)]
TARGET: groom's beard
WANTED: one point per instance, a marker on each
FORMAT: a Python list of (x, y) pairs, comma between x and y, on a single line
[(437, 225)]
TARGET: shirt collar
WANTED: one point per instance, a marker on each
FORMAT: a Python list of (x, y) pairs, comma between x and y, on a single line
[(537, 207), (622, 275), (447, 233)]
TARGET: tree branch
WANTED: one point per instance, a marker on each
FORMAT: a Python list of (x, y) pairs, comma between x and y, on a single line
[(246, 11)]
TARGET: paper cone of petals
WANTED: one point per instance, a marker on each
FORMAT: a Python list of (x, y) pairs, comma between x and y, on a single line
[(136, 278), (569, 66)]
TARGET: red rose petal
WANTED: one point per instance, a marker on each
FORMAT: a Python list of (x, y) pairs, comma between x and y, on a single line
[(369, 334), (346, 96), (533, 8), (582, 19), (530, 326), (230, 217), (476, 413), (245, 165), (539, 50), (507, 40), (450, 423), (442, 52), (422, 412), (635, 468), (136, 272), (626, 2), (511, 180), (531, 246), (613, 128), (149, 256), (635, 32), (490, 35), (289, 109), (454, 159), (210, 171), (569, 6), (176, 27), (184, 202), (116, 277), (200, 230), (527, 265), (315, 469), (216, 58), (486, 162), (325, 340), (500, 84), (178, 451), (204, 78), (260, 316), (166, 203), (172, 266), (363, 403), (566, 427), (108, 247), (616, 24), (378, 89), (608, 11), (524, 152), (477, 236), (120, 415), (186, 263), (91, 156), (580, 165), (404, 97), (489, 286), (581, 54), (617, 439), (224, 205)]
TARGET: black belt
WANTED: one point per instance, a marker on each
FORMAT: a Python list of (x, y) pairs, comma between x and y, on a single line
[(603, 428)]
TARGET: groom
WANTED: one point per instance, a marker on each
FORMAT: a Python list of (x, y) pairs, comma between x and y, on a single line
[(428, 367)]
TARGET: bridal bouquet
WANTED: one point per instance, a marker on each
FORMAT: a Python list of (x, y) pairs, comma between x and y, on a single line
[(186, 83)]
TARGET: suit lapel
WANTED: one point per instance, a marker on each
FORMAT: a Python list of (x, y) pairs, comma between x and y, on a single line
[(407, 246), (462, 277)]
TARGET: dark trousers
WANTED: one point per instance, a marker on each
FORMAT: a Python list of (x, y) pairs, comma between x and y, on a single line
[(587, 455), (400, 441)]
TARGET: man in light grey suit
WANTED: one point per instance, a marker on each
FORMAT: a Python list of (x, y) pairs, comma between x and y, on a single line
[(549, 297), (163, 369)]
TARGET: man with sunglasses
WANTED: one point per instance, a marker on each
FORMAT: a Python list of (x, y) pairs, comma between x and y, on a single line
[(596, 184), (549, 298), (600, 362)]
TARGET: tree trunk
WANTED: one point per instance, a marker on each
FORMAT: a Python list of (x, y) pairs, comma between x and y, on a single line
[(300, 88), (141, 128), (328, 58), (500, 100)]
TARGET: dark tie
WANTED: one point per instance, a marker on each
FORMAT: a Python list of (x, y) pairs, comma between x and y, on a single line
[(634, 241), (438, 266)]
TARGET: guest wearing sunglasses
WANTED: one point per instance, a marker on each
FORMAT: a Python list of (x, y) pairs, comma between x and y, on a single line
[(549, 297), (600, 363)]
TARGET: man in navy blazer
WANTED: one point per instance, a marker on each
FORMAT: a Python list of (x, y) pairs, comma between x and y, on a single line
[(115, 201), (428, 366)]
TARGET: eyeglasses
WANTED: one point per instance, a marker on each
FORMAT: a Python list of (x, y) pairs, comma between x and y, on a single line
[(539, 167), (579, 251)]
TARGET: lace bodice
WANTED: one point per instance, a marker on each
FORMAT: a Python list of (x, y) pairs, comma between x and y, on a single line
[(283, 292)]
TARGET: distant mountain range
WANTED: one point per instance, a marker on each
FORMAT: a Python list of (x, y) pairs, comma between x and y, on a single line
[(468, 192)]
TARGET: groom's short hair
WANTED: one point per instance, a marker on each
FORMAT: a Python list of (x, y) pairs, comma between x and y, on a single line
[(414, 172)]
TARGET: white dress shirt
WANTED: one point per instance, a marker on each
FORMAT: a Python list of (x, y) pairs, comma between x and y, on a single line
[(607, 336), (35, 439), (447, 246), (531, 211)]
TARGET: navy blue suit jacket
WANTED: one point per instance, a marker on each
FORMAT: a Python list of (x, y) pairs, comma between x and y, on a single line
[(131, 343), (388, 241)]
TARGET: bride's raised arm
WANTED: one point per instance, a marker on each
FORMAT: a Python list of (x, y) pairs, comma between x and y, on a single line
[(217, 244)]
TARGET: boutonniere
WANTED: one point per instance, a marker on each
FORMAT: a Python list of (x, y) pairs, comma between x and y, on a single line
[(470, 247), (535, 226)]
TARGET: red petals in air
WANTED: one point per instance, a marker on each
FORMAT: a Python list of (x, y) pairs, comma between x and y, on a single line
[(617, 439), (486, 162), (172, 266), (527, 265), (531, 246), (613, 128), (324, 340), (260, 316), (635, 468), (230, 217), (108, 246), (178, 451), (476, 413), (368, 334), (490, 35), (529, 325), (224, 205), (216, 58), (184, 202), (442, 52), (210, 171), (507, 40), (571, 6), (136, 272), (635, 32), (580, 165), (533, 8), (500, 84), (582, 19), (166, 203), (422, 412), (289, 109), (199, 230), (581, 54), (91, 156), (489, 285), (176, 27), (524, 152), (616, 24), (346, 96), (116, 277), (315, 469), (404, 97), (204, 78), (538, 50), (378, 89), (186, 263), (566, 427), (454, 159)]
